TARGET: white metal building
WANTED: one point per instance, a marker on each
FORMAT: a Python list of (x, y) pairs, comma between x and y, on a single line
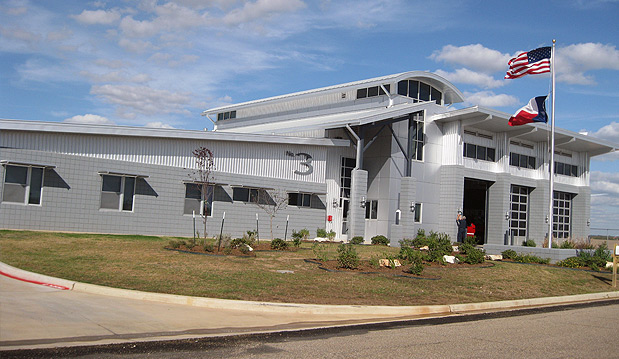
[(379, 156)]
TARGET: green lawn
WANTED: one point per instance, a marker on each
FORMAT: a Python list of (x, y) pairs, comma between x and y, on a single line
[(142, 263)]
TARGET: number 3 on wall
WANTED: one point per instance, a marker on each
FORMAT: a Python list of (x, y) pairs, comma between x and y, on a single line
[(307, 163)]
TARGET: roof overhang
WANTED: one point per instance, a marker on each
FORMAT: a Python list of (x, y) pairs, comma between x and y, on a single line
[(336, 120), (497, 121), (22, 163), (109, 130), (451, 94)]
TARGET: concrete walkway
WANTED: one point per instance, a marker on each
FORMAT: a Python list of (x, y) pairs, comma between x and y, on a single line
[(59, 313)]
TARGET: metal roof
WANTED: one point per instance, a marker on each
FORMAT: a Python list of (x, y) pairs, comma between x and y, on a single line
[(336, 120), (450, 93), (112, 130), (497, 122)]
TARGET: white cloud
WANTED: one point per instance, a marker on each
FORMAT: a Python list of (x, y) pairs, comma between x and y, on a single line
[(475, 56), (136, 46), (574, 61), (609, 132), (142, 99), (467, 76), (116, 76), (261, 9), (490, 99), (94, 17), (158, 124), (89, 119)]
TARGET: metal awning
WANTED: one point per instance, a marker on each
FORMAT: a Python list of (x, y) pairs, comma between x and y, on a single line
[(112, 173), (22, 163)]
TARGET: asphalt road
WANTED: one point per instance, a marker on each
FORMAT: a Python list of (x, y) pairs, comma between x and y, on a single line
[(577, 331)]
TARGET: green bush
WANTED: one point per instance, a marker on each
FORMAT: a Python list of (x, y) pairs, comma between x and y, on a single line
[(356, 240), (380, 240), (296, 242), (420, 240), (529, 243), (567, 244), (241, 242), (407, 254), (302, 235), (603, 253), (406, 242), (374, 261), (416, 268), (571, 262), (279, 244), (174, 244), (439, 245), (331, 235), (475, 256), (530, 258), (509, 254), (320, 251), (347, 256), (209, 247), (321, 233)]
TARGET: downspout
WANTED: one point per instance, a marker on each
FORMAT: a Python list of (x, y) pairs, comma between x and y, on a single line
[(360, 146)]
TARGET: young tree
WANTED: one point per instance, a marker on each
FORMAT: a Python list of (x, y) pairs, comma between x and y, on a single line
[(271, 201), (203, 177)]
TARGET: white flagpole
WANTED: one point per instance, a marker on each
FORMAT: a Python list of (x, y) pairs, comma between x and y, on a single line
[(552, 147)]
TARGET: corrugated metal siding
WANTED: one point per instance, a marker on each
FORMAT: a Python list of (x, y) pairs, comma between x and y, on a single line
[(254, 159), (294, 105)]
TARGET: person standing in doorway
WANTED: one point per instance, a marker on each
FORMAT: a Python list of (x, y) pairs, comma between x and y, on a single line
[(461, 223)]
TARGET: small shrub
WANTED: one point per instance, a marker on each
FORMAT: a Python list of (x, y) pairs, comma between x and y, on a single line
[(416, 268), (472, 241), (321, 233), (509, 254), (241, 242), (320, 251), (251, 235), (331, 235), (279, 244), (356, 240), (603, 253), (174, 244), (571, 262), (244, 249), (209, 247), (530, 258), (406, 242), (380, 240), (529, 243), (374, 261), (567, 244), (475, 256), (297, 237), (347, 256), (420, 240), (296, 242), (407, 254), (439, 245)]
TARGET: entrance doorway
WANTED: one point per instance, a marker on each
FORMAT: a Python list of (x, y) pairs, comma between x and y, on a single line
[(475, 206)]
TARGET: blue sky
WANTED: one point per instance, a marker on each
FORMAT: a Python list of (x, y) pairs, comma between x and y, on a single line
[(160, 64)]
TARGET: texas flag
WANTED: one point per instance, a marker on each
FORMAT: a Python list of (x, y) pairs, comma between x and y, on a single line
[(534, 111)]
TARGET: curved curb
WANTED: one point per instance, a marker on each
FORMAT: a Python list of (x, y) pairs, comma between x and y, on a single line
[(271, 307)]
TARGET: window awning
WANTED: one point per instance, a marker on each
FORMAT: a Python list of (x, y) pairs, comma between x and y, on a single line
[(21, 163), (122, 174)]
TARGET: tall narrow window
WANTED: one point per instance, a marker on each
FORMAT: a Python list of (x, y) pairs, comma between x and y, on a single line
[(417, 132), (562, 214), (23, 184), (519, 211), (348, 164), (418, 212), (371, 209), (117, 192)]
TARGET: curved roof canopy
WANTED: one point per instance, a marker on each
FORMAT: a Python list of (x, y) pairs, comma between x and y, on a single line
[(450, 93)]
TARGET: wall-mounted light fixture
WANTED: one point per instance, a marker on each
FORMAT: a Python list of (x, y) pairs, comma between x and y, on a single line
[(413, 204), (335, 203), (589, 222), (546, 218), (507, 216), (363, 200)]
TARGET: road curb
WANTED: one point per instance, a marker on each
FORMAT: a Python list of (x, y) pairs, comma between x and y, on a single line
[(271, 307)]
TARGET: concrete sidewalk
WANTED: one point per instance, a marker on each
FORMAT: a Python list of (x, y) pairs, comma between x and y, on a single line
[(47, 316)]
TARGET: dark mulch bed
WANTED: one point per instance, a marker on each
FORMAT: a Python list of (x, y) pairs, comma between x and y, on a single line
[(257, 247)]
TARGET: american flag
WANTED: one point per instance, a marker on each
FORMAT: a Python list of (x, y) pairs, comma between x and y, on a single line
[(533, 62)]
